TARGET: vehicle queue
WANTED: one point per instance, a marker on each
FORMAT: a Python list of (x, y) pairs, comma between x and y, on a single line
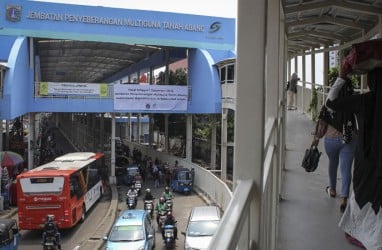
[(180, 177), (159, 216)]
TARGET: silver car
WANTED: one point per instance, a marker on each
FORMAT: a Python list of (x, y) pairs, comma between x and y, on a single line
[(202, 225)]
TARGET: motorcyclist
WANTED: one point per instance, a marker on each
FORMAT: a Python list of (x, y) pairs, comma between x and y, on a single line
[(161, 206), (50, 229), (132, 192), (148, 196), (170, 220), (167, 194)]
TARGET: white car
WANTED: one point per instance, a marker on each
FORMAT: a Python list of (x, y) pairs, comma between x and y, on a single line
[(202, 225)]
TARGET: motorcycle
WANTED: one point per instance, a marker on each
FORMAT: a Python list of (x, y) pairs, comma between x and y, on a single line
[(162, 218), (131, 201), (169, 204), (138, 185), (148, 206), (169, 236), (50, 243)]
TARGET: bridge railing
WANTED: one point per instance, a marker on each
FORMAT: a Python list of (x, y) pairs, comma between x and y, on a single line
[(237, 224)]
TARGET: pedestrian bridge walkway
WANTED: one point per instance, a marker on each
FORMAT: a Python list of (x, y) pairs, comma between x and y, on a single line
[(308, 217)]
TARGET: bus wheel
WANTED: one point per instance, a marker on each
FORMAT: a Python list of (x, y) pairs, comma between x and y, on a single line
[(102, 190), (83, 216)]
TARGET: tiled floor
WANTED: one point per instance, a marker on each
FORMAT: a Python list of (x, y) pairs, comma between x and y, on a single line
[(308, 217)]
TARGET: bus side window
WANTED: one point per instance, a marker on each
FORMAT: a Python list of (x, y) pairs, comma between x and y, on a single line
[(71, 189), (75, 188)]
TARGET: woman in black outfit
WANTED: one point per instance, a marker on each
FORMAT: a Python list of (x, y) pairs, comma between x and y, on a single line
[(362, 219)]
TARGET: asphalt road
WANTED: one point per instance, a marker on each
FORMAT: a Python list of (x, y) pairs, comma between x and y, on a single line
[(181, 210), (74, 237)]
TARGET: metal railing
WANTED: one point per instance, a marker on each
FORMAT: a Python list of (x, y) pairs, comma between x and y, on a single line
[(236, 228)]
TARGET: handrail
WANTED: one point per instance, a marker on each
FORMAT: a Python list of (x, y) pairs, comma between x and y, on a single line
[(235, 228), (227, 235)]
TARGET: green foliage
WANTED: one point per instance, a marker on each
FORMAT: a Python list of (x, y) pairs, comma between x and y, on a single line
[(313, 105), (333, 74), (177, 77), (201, 127)]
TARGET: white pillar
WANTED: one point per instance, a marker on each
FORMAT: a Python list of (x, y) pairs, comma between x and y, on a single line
[(303, 83), (250, 104), (151, 129), (274, 92), (139, 129), (112, 178), (223, 153), (32, 142), (213, 142), (166, 141), (130, 128), (189, 137)]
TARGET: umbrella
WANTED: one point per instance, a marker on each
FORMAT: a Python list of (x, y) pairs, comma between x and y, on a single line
[(9, 158)]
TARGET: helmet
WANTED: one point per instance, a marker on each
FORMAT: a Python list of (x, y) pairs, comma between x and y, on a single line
[(50, 218), (132, 186), (161, 199), (169, 214), (148, 190), (166, 189)]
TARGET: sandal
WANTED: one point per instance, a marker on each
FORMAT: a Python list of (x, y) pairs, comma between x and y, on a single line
[(331, 192)]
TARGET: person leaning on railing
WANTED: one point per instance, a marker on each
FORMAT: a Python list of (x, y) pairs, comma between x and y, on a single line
[(292, 91)]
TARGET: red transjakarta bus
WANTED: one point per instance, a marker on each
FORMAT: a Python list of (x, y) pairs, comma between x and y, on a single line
[(66, 187)]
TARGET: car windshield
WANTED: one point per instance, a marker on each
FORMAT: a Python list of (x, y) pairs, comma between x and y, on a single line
[(184, 176), (202, 228), (126, 233)]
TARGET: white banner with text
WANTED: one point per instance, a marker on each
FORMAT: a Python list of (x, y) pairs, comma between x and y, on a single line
[(150, 97), (68, 89)]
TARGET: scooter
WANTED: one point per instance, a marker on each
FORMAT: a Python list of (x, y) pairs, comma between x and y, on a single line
[(148, 206), (169, 204), (162, 218), (50, 243), (131, 201), (169, 236), (138, 186)]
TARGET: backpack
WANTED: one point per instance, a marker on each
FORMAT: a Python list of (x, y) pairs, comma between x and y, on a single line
[(344, 122)]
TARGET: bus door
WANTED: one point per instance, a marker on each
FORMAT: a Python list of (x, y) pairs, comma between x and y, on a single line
[(76, 196)]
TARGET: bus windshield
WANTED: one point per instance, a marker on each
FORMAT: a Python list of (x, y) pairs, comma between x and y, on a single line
[(42, 185)]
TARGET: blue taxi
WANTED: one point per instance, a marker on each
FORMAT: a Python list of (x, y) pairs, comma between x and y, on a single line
[(133, 229)]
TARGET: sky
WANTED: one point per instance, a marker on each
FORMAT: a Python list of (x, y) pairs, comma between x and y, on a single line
[(219, 8)]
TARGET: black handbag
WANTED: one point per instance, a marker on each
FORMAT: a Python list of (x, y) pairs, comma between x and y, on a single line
[(311, 158)]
